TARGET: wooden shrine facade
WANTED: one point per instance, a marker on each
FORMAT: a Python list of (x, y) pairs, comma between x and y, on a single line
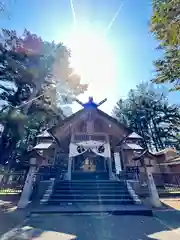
[(89, 140)]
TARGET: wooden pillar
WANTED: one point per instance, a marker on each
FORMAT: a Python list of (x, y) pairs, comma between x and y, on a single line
[(73, 165), (55, 155), (118, 164), (110, 168), (109, 160), (69, 168), (122, 157), (105, 166), (90, 123), (70, 158)]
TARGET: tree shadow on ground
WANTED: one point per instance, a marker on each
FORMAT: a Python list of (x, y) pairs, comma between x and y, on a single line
[(94, 226), (9, 215), (169, 215)]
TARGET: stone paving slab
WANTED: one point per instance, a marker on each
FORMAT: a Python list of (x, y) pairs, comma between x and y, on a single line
[(10, 218), (169, 217), (92, 227), (112, 209)]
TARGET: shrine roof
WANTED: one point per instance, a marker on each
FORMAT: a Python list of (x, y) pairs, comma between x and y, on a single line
[(44, 145), (44, 134), (164, 151), (174, 161), (132, 146), (34, 153), (134, 136), (98, 111)]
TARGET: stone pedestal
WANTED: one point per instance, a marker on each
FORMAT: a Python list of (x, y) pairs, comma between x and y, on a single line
[(1, 177), (28, 186), (154, 196), (117, 160)]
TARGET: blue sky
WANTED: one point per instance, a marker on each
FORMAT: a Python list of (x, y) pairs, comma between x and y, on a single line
[(132, 45)]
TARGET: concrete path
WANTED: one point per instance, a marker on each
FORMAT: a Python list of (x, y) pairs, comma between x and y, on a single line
[(96, 227)]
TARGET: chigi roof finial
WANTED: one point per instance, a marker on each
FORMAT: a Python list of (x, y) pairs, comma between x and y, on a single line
[(91, 103)]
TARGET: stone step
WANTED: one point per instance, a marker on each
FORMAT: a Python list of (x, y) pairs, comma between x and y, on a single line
[(92, 178), (91, 184), (84, 209), (90, 181), (90, 196), (90, 191), (86, 175), (91, 201), (111, 188)]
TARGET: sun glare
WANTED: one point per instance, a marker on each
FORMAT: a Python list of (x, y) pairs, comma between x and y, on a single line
[(92, 58)]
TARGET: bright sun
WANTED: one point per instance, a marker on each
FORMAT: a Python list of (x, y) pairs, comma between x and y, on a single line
[(92, 58)]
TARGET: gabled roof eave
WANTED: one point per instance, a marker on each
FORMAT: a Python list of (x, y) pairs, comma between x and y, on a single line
[(75, 115)]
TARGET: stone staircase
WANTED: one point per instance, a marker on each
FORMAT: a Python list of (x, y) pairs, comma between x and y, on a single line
[(90, 192)]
